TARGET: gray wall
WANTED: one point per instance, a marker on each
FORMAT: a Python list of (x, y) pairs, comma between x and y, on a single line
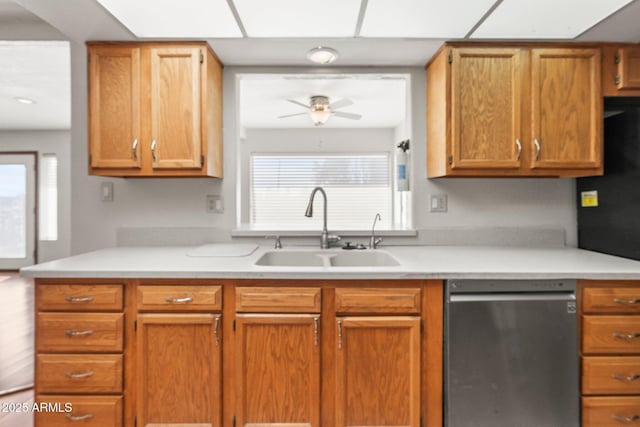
[(57, 142), (181, 202)]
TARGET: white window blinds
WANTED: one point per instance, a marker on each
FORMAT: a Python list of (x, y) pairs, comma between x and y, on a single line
[(357, 187), (48, 198)]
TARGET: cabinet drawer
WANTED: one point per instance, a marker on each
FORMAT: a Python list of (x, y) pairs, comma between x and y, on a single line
[(611, 375), (278, 300), (179, 298), (90, 411), (79, 373), (79, 332), (374, 300), (79, 297), (611, 300), (611, 334), (609, 411)]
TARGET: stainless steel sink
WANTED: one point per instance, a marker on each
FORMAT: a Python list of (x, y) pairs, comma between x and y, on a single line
[(291, 259), (326, 258), (375, 258)]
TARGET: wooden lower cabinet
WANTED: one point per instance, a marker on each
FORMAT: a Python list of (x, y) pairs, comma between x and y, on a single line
[(178, 370), (278, 370), (378, 371), (289, 353)]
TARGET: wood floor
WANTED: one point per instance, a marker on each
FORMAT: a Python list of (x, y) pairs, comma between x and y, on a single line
[(16, 348)]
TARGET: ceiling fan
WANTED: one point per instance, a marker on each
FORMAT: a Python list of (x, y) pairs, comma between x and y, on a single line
[(320, 109)]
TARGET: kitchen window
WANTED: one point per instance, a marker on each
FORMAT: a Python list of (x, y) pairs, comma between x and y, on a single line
[(357, 185)]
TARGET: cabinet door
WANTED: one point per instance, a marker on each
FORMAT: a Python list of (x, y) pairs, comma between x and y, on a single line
[(176, 108), (178, 369), (114, 107), (378, 371), (278, 370), (486, 95), (628, 59), (566, 108)]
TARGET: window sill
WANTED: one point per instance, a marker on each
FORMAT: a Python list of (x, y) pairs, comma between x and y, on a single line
[(252, 232)]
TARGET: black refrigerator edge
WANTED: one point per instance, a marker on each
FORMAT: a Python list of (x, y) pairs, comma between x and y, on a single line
[(609, 206)]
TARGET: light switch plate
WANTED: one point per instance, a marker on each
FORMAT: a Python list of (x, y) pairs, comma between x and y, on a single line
[(214, 204), (438, 203)]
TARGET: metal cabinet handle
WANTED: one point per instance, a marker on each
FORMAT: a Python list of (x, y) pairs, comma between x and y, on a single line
[(626, 420), (79, 417), (134, 150), (519, 145), (626, 301), (216, 328), (316, 330), (72, 333), (178, 300), (538, 148), (626, 379), (153, 150), (81, 375), (339, 334), (624, 336), (78, 299)]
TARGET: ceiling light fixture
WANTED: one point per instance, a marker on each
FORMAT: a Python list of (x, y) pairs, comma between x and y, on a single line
[(320, 116), (24, 100), (322, 55)]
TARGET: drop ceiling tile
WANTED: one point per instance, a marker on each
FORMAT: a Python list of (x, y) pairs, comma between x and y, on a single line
[(168, 18), (422, 18), (545, 19), (297, 18)]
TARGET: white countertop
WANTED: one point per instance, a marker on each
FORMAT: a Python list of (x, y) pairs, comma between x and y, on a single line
[(417, 262)]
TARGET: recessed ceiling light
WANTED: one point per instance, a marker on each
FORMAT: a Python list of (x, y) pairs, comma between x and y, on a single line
[(24, 100), (322, 55)]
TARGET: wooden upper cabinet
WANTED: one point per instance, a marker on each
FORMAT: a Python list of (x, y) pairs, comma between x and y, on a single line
[(514, 110), (175, 108), (114, 107), (486, 91), (621, 69), (155, 110), (566, 108)]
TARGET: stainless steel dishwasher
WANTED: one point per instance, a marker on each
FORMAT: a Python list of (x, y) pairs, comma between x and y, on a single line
[(511, 354)]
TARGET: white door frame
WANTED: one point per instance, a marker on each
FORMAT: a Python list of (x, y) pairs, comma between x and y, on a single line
[(29, 160)]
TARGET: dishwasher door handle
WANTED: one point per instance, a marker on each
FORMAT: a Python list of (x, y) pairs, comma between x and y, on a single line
[(514, 296)]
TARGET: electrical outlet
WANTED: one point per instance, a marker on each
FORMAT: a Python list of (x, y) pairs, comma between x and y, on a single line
[(214, 204), (106, 191), (438, 203)]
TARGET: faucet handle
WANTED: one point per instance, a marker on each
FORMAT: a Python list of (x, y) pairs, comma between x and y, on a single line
[(333, 238), (277, 244), (373, 243)]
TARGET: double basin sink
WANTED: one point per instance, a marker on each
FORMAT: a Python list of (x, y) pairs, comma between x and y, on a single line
[(327, 258)]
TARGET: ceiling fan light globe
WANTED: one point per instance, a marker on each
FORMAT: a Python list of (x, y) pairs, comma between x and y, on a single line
[(320, 117)]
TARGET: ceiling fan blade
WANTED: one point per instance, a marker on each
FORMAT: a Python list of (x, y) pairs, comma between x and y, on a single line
[(351, 116), (291, 115), (341, 103), (293, 101)]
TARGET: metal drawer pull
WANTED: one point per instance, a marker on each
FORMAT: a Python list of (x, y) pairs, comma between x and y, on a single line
[(82, 375), (316, 330), (78, 299), (626, 379), (71, 333), (79, 417), (519, 149), (178, 300), (626, 420), (339, 334), (216, 327), (626, 336), (133, 149), (626, 301), (153, 150)]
